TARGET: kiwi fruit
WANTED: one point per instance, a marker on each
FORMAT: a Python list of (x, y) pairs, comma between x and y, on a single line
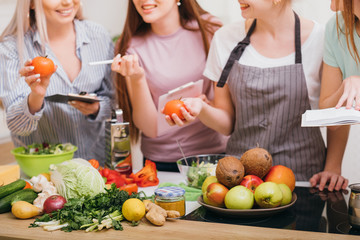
[(257, 161), (229, 171)]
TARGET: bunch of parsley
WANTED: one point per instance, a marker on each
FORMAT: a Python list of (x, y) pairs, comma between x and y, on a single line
[(80, 212)]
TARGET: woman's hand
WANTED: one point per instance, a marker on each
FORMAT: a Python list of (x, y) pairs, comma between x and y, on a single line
[(86, 108), (37, 84), (336, 181), (128, 66), (192, 111), (351, 92)]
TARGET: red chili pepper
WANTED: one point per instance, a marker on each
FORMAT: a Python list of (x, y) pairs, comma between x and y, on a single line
[(147, 176), (130, 188)]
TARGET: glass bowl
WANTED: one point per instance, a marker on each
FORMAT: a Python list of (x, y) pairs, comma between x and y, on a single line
[(195, 169)]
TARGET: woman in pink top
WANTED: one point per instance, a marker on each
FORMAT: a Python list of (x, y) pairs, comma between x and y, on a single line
[(164, 45)]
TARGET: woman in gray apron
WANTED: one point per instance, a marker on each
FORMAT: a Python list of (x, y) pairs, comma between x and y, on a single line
[(267, 108)]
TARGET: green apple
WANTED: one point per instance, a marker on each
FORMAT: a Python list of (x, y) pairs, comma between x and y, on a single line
[(287, 194), (268, 195), (207, 182), (239, 197)]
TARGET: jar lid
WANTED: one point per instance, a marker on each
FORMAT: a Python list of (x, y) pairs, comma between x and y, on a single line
[(169, 192)]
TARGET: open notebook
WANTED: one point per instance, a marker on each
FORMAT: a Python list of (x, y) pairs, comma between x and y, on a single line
[(330, 117)]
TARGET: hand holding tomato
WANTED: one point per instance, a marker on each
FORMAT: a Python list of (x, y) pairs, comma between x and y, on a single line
[(36, 79), (182, 112), (174, 107)]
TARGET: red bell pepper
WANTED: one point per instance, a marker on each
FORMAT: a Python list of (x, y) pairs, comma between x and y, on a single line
[(129, 180), (147, 176), (113, 176), (130, 188)]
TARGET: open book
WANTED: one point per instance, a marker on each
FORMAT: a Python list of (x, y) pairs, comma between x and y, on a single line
[(330, 117)]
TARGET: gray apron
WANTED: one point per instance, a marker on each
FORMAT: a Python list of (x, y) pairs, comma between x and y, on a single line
[(269, 103)]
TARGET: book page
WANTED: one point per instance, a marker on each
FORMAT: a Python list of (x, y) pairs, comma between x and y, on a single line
[(330, 117)]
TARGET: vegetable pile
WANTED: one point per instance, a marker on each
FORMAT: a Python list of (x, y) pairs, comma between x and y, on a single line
[(74, 196), (46, 148), (146, 177), (14, 192), (88, 213)]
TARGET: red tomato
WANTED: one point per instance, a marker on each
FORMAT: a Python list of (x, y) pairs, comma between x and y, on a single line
[(43, 66), (174, 106)]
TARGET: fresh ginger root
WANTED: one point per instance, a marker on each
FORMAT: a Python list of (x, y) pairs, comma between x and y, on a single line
[(157, 215)]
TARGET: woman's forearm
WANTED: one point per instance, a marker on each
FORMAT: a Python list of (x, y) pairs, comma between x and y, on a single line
[(336, 144), (144, 110)]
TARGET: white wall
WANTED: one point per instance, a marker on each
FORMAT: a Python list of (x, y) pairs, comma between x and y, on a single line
[(111, 14)]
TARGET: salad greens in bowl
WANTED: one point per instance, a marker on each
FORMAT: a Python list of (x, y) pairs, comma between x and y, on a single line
[(195, 169), (36, 158)]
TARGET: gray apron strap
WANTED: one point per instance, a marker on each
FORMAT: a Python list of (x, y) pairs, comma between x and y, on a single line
[(235, 55), (237, 52)]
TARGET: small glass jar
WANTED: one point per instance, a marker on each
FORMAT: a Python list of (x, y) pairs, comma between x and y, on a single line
[(171, 198)]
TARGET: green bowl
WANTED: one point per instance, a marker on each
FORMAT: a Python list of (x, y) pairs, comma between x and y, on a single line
[(33, 165)]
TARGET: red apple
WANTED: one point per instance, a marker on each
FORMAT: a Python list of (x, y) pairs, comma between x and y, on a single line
[(281, 174), (251, 182), (215, 194)]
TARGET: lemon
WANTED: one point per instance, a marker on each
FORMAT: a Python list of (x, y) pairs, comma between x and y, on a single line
[(133, 209)]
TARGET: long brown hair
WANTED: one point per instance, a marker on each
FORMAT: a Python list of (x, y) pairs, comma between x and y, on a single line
[(350, 21), (189, 11)]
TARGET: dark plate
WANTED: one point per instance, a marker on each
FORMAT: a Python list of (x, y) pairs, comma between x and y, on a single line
[(254, 212)]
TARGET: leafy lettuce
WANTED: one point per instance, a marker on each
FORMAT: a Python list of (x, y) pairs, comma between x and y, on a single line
[(76, 178)]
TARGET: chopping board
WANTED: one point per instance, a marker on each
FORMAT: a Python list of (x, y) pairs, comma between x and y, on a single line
[(12, 228)]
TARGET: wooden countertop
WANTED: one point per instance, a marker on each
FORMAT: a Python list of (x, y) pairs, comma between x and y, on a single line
[(12, 228)]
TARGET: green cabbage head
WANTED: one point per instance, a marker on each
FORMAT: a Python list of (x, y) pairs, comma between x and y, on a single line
[(76, 178)]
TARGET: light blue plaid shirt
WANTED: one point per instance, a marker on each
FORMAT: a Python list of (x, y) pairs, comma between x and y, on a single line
[(58, 122)]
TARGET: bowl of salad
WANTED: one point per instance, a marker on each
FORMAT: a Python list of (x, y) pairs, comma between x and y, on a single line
[(195, 169), (36, 158)]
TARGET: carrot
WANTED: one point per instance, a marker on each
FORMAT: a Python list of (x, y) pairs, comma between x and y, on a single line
[(94, 163), (28, 185)]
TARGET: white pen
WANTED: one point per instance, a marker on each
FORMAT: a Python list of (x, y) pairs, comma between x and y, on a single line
[(101, 62), (104, 62)]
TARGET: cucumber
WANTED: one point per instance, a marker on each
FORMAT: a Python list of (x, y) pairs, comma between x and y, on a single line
[(12, 187), (27, 195)]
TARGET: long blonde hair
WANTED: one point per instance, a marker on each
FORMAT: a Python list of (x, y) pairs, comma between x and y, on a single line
[(29, 14)]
